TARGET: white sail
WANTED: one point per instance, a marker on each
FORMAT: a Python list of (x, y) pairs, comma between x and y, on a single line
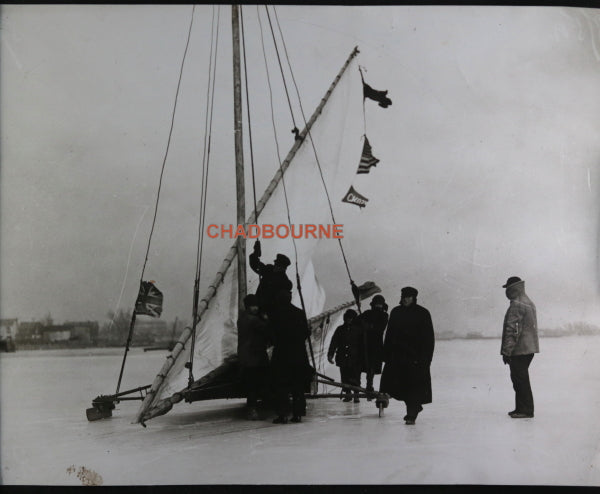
[(337, 138)]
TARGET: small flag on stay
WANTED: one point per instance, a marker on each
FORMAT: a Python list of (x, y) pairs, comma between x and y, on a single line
[(367, 160), (354, 197), (149, 300), (379, 96)]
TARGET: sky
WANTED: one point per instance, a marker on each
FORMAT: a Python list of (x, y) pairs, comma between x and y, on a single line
[(488, 167)]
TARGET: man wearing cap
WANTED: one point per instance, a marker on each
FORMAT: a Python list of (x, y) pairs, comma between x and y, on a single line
[(407, 353), (253, 340), (519, 343), (374, 321), (273, 278)]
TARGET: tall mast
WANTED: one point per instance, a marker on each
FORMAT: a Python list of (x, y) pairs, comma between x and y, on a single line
[(239, 154)]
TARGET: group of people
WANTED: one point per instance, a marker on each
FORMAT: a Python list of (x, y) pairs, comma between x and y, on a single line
[(359, 346), (270, 319), (399, 346)]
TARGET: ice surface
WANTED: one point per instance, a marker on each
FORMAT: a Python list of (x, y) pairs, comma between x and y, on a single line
[(463, 437)]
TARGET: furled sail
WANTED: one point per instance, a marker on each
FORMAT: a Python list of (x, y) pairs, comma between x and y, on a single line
[(337, 137)]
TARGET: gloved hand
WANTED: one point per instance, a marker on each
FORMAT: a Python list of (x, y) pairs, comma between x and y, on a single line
[(505, 359), (257, 250)]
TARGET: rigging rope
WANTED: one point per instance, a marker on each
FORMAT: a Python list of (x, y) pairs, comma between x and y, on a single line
[(162, 171), (248, 111), (352, 284), (210, 95), (295, 130), (287, 206)]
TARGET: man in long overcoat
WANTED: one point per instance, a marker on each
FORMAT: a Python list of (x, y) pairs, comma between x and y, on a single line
[(290, 369), (407, 352), (519, 343), (374, 321)]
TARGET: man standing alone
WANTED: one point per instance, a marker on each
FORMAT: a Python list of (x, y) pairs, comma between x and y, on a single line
[(407, 352), (519, 343)]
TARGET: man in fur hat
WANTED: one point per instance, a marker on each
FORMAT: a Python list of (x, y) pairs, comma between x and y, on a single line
[(519, 343)]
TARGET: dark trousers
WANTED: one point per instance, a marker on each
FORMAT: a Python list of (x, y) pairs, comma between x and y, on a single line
[(254, 381), (291, 381), (370, 376), (412, 409), (519, 375), (350, 375)]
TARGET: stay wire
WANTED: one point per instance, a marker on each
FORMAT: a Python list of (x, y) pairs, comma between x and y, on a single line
[(248, 111), (210, 92), (354, 288), (363, 104), (298, 282), (162, 171), (287, 206), (281, 70), (168, 142)]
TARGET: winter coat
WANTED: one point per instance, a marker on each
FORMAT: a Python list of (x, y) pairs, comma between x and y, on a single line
[(253, 340), (520, 332), (289, 330), (374, 321), (347, 345), (271, 282), (408, 350)]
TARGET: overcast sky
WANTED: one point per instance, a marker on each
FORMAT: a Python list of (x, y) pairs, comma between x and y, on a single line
[(489, 155)]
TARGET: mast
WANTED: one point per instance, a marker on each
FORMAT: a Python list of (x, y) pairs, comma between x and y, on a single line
[(239, 154)]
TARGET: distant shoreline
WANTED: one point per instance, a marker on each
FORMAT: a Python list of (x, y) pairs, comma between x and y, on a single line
[(439, 337)]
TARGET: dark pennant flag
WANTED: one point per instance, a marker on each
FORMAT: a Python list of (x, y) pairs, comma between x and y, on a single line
[(354, 197)]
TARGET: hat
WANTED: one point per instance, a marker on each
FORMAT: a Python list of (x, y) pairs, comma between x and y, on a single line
[(282, 260), (513, 280), (409, 291), (250, 300), (350, 312), (377, 299)]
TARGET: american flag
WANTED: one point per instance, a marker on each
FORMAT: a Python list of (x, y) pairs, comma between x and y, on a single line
[(367, 160)]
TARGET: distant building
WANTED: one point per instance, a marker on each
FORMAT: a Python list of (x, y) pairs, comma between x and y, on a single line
[(54, 334), (8, 333), (8, 327), (69, 334), (29, 333), (83, 333)]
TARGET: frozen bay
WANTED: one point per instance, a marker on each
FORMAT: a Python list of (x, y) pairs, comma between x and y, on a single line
[(463, 437)]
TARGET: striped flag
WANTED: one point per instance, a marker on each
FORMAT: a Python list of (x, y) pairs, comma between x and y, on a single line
[(367, 160)]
